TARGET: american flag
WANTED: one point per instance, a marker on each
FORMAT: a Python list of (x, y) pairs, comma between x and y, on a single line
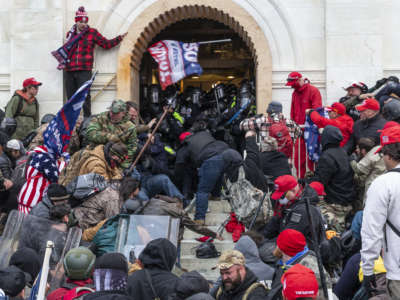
[(45, 165), (58, 133)]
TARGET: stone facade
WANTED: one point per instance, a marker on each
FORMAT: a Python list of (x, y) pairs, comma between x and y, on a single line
[(330, 41)]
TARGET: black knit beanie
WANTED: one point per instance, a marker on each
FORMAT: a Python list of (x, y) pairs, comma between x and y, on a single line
[(57, 192), (113, 260)]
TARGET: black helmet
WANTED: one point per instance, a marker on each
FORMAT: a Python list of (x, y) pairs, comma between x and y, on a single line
[(391, 110), (219, 91), (195, 95), (79, 263), (393, 78), (154, 94), (8, 126), (47, 118), (347, 241), (245, 87), (274, 107)]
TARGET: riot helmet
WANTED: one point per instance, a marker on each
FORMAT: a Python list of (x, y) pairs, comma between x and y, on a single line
[(391, 110), (393, 79), (219, 92), (79, 263), (245, 87), (47, 118), (195, 95), (274, 107), (8, 126), (154, 94)]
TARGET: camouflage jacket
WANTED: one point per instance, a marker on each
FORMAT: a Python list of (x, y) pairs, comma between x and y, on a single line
[(103, 205), (26, 115), (101, 131)]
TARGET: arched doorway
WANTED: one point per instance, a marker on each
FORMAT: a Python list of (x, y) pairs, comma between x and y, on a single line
[(166, 12)]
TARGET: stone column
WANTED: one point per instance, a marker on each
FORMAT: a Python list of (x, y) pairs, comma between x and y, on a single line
[(354, 39), (36, 29)]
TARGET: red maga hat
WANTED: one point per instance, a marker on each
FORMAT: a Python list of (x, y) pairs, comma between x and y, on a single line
[(299, 282), (369, 103), (318, 187), (292, 78), (389, 136), (282, 185), (291, 242), (184, 135), (30, 81), (337, 108)]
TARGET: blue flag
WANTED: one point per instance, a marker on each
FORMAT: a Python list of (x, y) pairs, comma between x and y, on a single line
[(58, 133)]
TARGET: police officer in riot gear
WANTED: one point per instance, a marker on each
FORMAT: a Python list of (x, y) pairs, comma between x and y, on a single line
[(391, 110), (8, 126)]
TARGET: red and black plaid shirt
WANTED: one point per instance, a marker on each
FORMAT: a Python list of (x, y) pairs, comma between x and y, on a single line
[(82, 58)]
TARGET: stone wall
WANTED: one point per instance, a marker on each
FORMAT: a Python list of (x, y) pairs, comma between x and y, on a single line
[(330, 41)]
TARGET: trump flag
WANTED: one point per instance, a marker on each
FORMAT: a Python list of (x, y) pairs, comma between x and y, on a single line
[(176, 60), (58, 133)]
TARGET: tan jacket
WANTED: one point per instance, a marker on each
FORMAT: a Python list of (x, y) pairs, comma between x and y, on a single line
[(96, 163), (104, 205), (368, 168)]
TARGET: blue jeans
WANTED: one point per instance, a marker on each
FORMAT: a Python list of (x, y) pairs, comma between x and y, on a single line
[(210, 174), (158, 184)]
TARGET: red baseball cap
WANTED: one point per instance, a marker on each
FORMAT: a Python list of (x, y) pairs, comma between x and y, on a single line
[(337, 108), (292, 78), (389, 124), (389, 136), (299, 282), (30, 81), (318, 187), (291, 242), (355, 84), (369, 103), (283, 184), (184, 135)]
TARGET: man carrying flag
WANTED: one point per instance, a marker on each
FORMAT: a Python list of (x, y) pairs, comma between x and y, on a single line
[(45, 163)]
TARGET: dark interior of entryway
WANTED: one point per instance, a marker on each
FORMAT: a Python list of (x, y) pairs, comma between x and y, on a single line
[(228, 62)]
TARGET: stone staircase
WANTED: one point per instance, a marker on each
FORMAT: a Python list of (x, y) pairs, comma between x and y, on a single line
[(219, 211)]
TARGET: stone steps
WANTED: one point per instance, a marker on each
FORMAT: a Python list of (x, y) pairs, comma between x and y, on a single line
[(219, 211)]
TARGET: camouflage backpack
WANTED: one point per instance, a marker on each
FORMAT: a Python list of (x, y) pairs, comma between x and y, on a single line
[(245, 199), (73, 167)]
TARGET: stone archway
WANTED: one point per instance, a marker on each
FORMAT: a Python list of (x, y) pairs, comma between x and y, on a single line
[(165, 12)]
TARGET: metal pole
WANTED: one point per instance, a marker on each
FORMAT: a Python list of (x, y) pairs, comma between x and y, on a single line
[(45, 271), (148, 140), (316, 247), (215, 41)]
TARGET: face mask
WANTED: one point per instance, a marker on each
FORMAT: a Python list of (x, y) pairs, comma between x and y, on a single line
[(284, 201)]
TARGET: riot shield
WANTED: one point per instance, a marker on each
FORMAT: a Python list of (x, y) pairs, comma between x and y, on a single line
[(10, 237), (136, 231), (72, 241)]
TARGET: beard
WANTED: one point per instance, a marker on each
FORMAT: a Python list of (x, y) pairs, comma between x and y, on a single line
[(230, 285)]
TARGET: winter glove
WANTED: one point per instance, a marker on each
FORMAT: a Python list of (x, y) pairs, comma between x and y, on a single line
[(369, 284)]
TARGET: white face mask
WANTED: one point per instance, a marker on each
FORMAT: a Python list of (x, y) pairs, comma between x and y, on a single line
[(284, 201)]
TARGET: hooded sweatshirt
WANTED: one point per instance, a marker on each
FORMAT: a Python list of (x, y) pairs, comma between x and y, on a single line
[(158, 259), (333, 168)]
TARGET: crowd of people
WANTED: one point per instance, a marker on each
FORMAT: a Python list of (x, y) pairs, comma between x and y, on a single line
[(328, 173)]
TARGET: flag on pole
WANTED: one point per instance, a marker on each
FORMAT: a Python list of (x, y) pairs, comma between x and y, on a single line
[(176, 60), (58, 133)]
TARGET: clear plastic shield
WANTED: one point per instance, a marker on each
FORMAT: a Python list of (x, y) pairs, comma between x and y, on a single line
[(136, 231), (72, 241), (10, 237)]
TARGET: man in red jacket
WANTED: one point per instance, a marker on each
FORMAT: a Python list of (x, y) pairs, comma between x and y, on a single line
[(304, 96), (337, 118), (80, 60)]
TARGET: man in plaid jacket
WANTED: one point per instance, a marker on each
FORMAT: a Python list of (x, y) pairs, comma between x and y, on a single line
[(80, 62)]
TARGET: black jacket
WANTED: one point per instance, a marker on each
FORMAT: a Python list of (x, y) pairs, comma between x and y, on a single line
[(333, 169), (6, 166), (158, 258), (365, 128), (275, 164), (237, 294), (296, 217)]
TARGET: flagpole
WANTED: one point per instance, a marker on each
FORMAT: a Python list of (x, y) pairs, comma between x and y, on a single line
[(215, 41)]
